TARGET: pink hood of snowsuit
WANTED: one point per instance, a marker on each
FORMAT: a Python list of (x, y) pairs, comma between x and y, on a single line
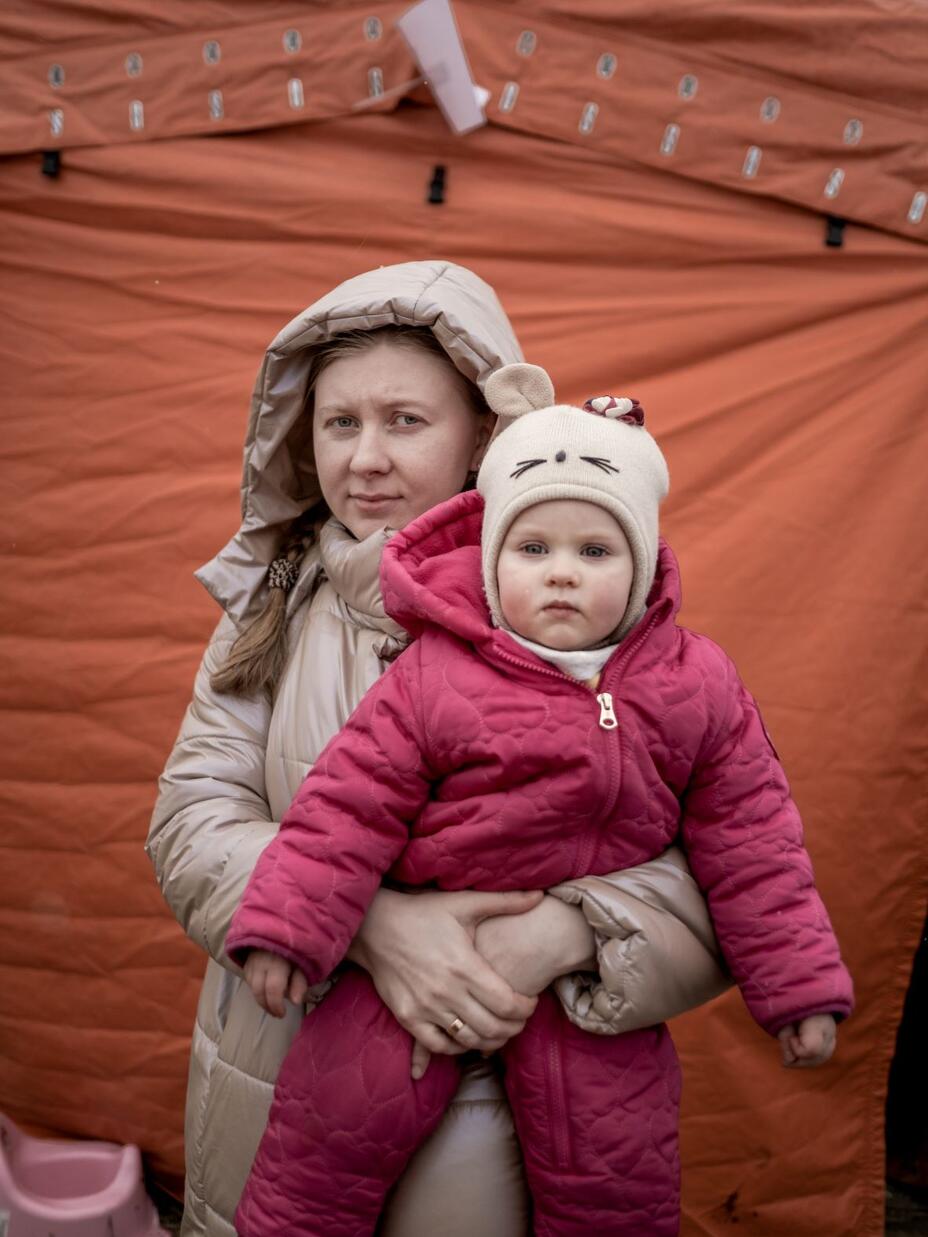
[(472, 764)]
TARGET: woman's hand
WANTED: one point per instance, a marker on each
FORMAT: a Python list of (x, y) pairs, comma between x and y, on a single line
[(271, 978), (419, 951), (530, 951)]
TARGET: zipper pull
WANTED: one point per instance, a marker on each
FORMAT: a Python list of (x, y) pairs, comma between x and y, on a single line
[(607, 717)]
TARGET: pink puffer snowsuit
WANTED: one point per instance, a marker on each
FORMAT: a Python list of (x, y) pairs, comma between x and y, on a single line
[(472, 764)]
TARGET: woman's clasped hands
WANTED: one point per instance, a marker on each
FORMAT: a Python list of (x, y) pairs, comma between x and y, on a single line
[(460, 971), (419, 951)]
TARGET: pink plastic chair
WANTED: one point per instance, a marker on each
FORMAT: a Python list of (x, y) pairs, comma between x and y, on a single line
[(71, 1189)]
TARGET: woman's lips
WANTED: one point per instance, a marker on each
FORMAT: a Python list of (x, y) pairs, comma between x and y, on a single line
[(372, 501)]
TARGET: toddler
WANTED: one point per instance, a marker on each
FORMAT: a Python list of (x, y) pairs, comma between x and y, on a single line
[(550, 720)]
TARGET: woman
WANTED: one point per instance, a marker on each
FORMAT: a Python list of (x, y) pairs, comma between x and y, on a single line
[(368, 410)]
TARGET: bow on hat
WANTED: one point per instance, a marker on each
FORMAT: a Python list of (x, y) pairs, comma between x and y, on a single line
[(618, 409)]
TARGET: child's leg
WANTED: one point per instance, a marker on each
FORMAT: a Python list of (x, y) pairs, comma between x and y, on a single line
[(345, 1119), (597, 1119)]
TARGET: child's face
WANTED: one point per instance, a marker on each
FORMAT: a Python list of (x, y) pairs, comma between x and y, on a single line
[(565, 571)]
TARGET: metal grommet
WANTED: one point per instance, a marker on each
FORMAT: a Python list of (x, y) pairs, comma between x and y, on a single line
[(606, 65), (216, 106), (834, 183), (751, 162), (56, 76), (295, 93), (689, 84), (670, 139), (373, 29), (375, 82), (133, 65), (527, 43), (136, 115), (917, 209), (56, 121), (508, 96), (292, 41), (212, 52), (588, 119), (770, 109), (853, 132)]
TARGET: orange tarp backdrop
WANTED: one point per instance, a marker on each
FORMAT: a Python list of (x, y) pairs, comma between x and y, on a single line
[(645, 249)]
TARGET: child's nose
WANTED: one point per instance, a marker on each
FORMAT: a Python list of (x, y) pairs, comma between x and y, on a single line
[(562, 569)]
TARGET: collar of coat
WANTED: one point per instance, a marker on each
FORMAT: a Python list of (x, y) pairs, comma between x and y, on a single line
[(431, 578)]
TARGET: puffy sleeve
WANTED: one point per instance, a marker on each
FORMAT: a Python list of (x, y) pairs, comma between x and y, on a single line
[(656, 951), (744, 840), (346, 827), (211, 819)]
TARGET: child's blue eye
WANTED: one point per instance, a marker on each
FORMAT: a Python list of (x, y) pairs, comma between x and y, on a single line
[(532, 547), (595, 551)]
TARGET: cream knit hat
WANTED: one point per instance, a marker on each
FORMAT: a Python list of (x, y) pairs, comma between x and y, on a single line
[(599, 454)]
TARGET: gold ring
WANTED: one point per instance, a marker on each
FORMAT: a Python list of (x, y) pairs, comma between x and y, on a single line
[(456, 1027)]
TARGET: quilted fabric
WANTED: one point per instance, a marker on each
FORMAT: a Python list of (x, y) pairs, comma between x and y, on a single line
[(596, 1118), (473, 764)]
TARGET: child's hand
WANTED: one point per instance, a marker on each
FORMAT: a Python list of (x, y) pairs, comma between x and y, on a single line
[(271, 978), (810, 1043)]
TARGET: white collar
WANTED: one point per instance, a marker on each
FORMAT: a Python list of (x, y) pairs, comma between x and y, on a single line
[(581, 664)]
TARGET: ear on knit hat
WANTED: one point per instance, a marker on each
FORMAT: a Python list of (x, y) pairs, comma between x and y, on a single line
[(519, 388)]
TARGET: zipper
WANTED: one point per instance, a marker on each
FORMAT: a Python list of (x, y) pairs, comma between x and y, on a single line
[(608, 721), (607, 717), (558, 1124)]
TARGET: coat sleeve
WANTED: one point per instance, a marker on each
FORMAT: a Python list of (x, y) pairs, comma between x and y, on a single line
[(211, 820), (656, 951), (743, 836), (344, 830)]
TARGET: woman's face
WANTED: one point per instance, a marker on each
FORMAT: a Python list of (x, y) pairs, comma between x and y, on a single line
[(393, 435)]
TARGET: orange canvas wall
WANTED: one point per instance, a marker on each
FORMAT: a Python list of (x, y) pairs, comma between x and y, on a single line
[(786, 380)]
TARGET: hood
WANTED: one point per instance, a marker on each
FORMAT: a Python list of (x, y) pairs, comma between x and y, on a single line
[(279, 477), (431, 576)]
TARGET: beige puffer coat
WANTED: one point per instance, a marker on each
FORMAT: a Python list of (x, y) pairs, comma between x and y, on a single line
[(238, 762)]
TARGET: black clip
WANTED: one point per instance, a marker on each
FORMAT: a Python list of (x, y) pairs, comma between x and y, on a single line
[(834, 231), (51, 163), (437, 186)]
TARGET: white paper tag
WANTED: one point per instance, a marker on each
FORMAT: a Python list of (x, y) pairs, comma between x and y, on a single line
[(431, 32)]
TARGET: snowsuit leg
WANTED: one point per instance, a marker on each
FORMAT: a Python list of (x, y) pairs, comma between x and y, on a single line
[(597, 1119), (345, 1120)]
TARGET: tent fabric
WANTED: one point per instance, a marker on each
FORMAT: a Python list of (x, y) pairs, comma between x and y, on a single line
[(785, 380), (663, 102)]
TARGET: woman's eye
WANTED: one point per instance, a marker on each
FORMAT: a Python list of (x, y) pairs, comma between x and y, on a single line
[(408, 418), (342, 423)]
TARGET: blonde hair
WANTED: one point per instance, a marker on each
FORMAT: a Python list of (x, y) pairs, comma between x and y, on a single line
[(256, 660)]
